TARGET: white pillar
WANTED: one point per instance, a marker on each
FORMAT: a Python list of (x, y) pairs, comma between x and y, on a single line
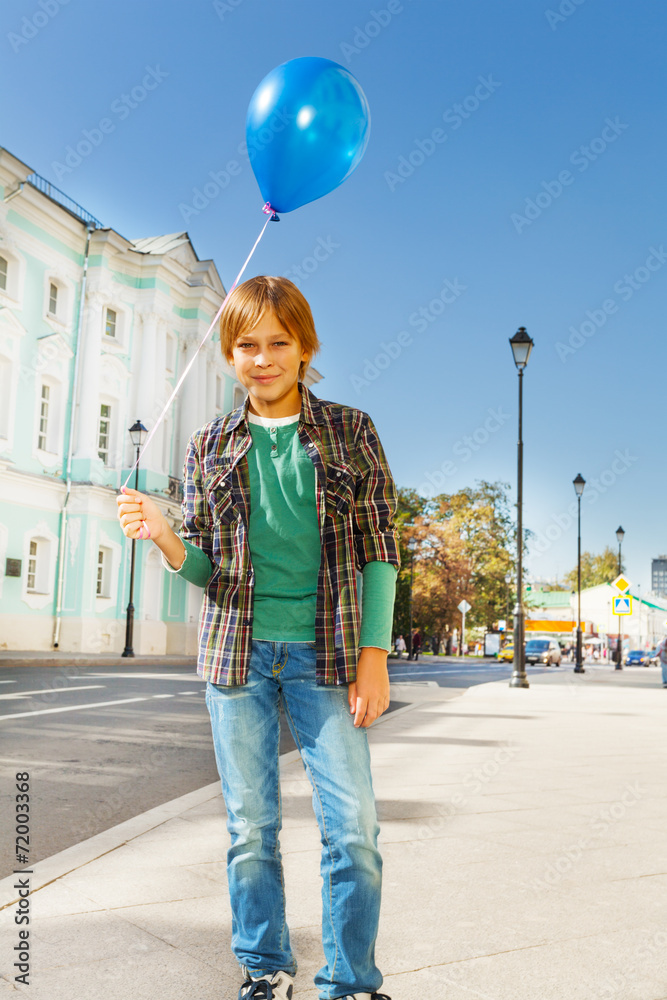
[(88, 409), (189, 394), (211, 373)]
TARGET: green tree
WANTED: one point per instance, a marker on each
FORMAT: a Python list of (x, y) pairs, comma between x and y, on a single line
[(595, 569), (463, 550)]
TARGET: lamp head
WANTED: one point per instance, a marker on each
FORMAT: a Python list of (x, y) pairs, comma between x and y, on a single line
[(620, 534), (521, 345), (579, 484), (137, 433)]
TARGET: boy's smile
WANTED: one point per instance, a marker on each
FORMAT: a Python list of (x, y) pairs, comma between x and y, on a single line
[(267, 361)]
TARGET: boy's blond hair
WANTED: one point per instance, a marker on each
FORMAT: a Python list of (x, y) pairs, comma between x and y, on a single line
[(250, 301)]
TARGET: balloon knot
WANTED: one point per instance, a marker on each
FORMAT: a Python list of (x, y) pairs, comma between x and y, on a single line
[(268, 210)]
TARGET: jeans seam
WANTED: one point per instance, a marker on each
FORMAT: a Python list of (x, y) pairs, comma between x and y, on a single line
[(326, 835)]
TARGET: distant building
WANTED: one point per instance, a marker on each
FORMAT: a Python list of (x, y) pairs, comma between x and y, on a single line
[(555, 612), (659, 576), (95, 330)]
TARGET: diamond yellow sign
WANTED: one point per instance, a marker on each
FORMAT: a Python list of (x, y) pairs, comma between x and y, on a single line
[(621, 583)]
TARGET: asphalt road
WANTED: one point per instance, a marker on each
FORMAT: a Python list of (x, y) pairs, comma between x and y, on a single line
[(102, 746)]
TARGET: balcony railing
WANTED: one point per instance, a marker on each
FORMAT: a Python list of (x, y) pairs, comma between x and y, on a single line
[(51, 191)]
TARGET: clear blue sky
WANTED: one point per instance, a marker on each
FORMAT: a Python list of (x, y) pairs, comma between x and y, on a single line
[(552, 87)]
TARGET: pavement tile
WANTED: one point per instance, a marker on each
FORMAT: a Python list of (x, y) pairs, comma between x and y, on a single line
[(65, 940), (157, 885)]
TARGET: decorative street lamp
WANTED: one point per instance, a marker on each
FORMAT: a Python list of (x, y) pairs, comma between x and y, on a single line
[(579, 484), (412, 545), (521, 345), (137, 433), (620, 535)]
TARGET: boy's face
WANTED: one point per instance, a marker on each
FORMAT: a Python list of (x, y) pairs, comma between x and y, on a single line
[(267, 361)]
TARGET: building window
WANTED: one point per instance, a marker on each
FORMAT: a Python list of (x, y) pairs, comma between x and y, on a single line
[(104, 434), (239, 395), (3, 274), (218, 393), (111, 322), (53, 299), (42, 437), (32, 566), (103, 572)]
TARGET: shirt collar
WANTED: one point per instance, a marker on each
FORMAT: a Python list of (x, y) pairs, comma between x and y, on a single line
[(311, 410)]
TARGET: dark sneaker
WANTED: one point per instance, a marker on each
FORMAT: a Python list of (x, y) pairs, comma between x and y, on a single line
[(276, 986), (366, 996)]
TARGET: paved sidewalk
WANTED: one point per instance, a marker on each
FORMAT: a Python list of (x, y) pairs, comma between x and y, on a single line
[(525, 851)]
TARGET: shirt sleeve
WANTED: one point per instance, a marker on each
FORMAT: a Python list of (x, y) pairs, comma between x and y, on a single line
[(375, 502), (197, 528), (196, 567), (377, 604)]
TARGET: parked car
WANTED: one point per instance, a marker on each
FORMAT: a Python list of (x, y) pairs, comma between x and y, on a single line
[(506, 655), (545, 651), (638, 658)]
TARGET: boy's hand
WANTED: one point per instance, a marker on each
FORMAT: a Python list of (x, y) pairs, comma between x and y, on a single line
[(140, 517), (369, 694)]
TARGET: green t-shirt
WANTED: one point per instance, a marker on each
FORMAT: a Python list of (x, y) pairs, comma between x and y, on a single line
[(283, 531)]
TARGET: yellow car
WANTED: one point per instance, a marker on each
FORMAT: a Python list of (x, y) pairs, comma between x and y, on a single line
[(506, 655)]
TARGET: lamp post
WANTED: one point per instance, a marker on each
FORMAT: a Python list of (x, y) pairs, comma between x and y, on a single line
[(137, 432), (412, 545), (620, 535), (508, 580), (579, 484), (521, 345)]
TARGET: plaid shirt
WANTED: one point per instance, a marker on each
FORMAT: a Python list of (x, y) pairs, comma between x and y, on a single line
[(356, 503)]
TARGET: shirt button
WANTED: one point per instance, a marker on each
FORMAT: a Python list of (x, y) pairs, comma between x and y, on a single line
[(273, 430), (274, 447), (338, 473)]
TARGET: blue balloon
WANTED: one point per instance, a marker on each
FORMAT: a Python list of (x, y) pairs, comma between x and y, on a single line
[(307, 129)]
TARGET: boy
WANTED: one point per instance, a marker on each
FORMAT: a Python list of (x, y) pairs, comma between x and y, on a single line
[(285, 498)]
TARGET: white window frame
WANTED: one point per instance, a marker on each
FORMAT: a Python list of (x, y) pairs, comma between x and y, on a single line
[(45, 403), (219, 393), (60, 314), (46, 544), (103, 576), (239, 395), (51, 454), (109, 433), (4, 273), (105, 323), (16, 269), (112, 570), (118, 343)]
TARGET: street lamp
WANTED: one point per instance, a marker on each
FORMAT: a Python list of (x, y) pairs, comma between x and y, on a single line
[(521, 345), (579, 484), (137, 433), (508, 580), (620, 535), (412, 545)]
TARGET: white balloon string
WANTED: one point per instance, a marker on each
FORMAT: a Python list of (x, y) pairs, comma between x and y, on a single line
[(194, 356)]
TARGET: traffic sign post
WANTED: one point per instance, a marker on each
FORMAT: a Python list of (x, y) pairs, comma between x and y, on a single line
[(463, 607), (622, 606)]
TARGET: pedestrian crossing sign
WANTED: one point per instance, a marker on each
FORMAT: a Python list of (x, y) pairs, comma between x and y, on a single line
[(623, 605)]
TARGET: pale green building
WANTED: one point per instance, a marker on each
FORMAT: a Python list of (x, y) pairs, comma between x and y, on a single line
[(95, 330)]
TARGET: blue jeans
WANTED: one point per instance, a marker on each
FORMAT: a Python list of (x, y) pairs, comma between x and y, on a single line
[(245, 720)]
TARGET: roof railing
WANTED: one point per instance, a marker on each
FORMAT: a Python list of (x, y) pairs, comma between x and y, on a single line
[(51, 191)]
